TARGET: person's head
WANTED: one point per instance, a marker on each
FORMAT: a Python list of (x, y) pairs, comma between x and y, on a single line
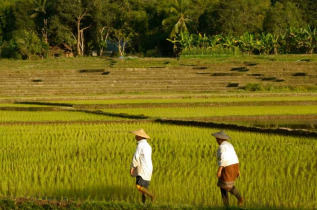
[(140, 134), (221, 137), (138, 138), (219, 141)]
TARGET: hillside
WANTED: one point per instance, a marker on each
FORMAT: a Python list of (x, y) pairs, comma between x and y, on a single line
[(103, 76)]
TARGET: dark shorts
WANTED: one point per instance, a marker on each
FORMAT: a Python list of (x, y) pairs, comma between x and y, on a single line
[(142, 182)]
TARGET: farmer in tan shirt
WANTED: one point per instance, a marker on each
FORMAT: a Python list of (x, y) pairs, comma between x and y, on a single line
[(228, 169)]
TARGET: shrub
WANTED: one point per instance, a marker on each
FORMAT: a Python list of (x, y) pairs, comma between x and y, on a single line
[(153, 53), (253, 87)]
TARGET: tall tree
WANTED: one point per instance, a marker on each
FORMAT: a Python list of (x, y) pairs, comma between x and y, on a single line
[(71, 14), (130, 23), (282, 16), (207, 21), (239, 16), (41, 14), (178, 18), (309, 11), (104, 16)]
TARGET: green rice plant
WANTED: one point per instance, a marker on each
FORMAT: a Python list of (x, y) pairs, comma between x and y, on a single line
[(45, 116), (175, 112), (91, 162), (20, 105)]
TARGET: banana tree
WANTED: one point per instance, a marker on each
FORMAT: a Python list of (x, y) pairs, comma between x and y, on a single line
[(292, 40), (311, 39), (202, 42), (215, 41), (267, 41), (275, 40), (247, 43), (186, 40), (259, 46), (230, 42)]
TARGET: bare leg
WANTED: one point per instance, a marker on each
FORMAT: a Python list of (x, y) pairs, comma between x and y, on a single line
[(143, 198), (145, 191), (225, 197), (236, 193)]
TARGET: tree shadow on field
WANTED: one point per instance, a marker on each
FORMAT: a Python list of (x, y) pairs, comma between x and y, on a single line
[(100, 192)]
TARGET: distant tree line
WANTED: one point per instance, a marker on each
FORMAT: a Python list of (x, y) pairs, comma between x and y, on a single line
[(34, 28)]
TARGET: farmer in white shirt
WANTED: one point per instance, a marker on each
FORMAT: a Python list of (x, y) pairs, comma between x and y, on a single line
[(228, 169), (141, 166)]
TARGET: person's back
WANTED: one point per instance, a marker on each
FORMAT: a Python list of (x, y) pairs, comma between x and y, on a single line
[(228, 170), (226, 155), (141, 166), (145, 166)]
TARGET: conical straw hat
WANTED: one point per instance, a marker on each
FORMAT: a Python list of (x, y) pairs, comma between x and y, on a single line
[(221, 135), (141, 133)]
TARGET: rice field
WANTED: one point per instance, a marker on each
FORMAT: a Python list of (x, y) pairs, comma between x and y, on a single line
[(187, 112), (51, 116), (82, 152), (83, 161)]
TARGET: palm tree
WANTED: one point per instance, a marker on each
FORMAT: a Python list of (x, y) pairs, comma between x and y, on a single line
[(40, 7), (178, 19)]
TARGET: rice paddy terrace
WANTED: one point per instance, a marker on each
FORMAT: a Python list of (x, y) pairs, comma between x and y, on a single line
[(100, 76), (80, 111), (195, 90)]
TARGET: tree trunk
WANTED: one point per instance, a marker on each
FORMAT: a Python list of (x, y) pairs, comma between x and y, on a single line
[(44, 31), (102, 39), (78, 37), (82, 41)]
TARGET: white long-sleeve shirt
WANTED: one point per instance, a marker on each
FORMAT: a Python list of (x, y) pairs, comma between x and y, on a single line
[(226, 155), (142, 160)]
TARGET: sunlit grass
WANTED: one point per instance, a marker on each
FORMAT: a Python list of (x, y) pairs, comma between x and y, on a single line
[(21, 105), (81, 162), (174, 112), (48, 116)]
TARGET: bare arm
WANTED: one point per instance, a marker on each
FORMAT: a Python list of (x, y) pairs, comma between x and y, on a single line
[(219, 171), (131, 171), (135, 161)]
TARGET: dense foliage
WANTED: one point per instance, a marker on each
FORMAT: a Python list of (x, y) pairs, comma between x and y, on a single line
[(292, 40), (36, 28)]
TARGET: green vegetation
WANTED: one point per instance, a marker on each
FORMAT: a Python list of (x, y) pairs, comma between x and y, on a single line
[(59, 150), (41, 28), (84, 165), (80, 162), (26, 203), (302, 40), (21, 105), (47, 116), (218, 111)]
